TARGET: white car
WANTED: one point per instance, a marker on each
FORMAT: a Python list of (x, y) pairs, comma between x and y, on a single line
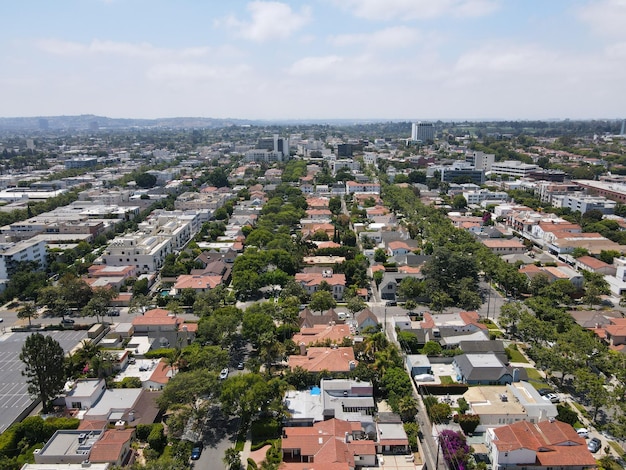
[(224, 373), (583, 432)]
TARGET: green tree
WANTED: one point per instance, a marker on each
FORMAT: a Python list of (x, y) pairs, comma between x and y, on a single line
[(380, 255), (145, 180), (232, 459), (27, 310), (334, 205), (432, 348), (459, 202), (356, 304), (42, 357), (410, 288), (321, 301), (98, 305)]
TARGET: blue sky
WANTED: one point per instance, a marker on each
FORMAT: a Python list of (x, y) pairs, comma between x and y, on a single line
[(322, 59)]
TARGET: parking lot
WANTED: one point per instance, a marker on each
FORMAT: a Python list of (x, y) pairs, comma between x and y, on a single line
[(14, 398)]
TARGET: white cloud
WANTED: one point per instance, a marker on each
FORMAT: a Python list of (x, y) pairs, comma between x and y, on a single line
[(418, 9), (268, 20), (502, 59), (195, 71), (121, 49), (315, 65), (394, 37), (605, 17)]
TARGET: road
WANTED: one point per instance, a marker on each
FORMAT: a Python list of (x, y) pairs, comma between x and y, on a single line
[(220, 433)]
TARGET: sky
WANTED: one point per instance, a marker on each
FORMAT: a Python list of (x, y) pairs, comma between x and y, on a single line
[(318, 59)]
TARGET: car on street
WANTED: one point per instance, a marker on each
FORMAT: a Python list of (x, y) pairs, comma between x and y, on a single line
[(391, 303), (196, 451), (594, 445), (224, 373), (1, 320), (67, 321), (240, 366), (583, 432)]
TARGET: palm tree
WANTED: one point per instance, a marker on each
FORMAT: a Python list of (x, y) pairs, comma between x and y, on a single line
[(232, 459)]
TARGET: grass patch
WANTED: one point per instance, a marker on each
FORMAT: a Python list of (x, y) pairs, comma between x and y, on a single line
[(239, 445), (515, 355), (489, 324), (446, 380), (533, 374), (617, 448)]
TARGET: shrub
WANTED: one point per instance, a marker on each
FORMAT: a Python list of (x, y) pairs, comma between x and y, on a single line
[(143, 431), (469, 423), (157, 439)]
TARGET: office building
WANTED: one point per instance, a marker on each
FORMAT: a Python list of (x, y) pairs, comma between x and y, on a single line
[(423, 132)]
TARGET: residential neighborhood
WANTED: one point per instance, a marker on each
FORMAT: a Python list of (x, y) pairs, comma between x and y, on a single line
[(291, 298)]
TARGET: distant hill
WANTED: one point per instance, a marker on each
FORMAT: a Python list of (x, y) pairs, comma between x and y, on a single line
[(92, 122)]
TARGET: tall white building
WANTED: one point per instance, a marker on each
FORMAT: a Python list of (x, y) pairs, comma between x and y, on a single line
[(12, 254), (422, 131)]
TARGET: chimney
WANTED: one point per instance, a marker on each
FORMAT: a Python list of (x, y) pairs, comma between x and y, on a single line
[(302, 349), (347, 437)]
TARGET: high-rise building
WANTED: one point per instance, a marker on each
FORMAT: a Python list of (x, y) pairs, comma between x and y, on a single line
[(423, 132)]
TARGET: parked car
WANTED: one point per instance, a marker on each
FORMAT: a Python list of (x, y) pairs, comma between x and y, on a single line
[(1, 320), (594, 445), (391, 303), (224, 373), (544, 391), (196, 451), (583, 432), (240, 366), (67, 321), (114, 313), (553, 397)]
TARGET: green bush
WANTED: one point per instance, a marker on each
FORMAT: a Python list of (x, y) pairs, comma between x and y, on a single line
[(252, 464), (157, 439), (129, 382), (143, 431), (157, 353)]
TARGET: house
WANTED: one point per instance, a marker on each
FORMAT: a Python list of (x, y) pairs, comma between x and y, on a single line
[(113, 447), (83, 394), (538, 446), (311, 282), (309, 319), (197, 282), (390, 435), (366, 319), (316, 359), (68, 446), (418, 364), (398, 247), (321, 333), (504, 246), (483, 369), (165, 327), (483, 347), (345, 399), (501, 405), (332, 444), (589, 263)]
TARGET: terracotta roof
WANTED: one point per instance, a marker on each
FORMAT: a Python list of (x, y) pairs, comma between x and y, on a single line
[(315, 279), (188, 281), (319, 359), (326, 443), (162, 373), (334, 333), (157, 316), (92, 424), (554, 443), (592, 262), (110, 446)]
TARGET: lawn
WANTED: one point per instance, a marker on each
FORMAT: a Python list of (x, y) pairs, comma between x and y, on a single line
[(516, 356), (446, 380)]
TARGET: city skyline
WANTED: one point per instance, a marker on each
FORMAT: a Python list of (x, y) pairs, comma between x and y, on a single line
[(323, 59)]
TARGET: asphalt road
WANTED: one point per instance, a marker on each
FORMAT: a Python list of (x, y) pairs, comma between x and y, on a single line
[(220, 433)]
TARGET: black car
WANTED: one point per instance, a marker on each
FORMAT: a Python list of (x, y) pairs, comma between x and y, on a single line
[(594, 445), (196, 451), (67, 321), (544, 391)]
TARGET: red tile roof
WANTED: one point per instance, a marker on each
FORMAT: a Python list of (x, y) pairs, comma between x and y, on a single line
[(555, 443), (319, 359), (110, 446)]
